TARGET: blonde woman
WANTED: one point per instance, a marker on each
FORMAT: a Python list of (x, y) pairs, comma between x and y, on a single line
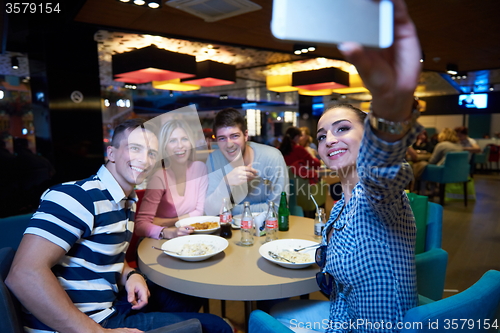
[(177, 189), (306, 141), (447, 141)]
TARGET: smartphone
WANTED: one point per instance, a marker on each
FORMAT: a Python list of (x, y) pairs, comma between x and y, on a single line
[(368, 22)]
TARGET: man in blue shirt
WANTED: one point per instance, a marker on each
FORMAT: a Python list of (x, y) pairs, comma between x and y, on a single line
[(242, 170), (70, 265)]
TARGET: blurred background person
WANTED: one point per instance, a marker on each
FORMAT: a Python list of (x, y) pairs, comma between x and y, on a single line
[(299, 160), (467, 143), (306, 141), (177, 189), (448, 142), (423, 143)]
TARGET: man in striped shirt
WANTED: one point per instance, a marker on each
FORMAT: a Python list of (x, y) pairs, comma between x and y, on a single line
[(70, 265)]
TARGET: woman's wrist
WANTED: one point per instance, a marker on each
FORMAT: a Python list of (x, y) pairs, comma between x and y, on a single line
[(168, 233)]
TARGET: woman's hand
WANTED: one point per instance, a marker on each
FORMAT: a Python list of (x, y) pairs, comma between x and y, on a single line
[(172, 232), (184, 231), (390, 74)]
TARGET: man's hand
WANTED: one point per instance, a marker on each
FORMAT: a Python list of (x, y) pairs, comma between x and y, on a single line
[(240, 175), (137, 291)]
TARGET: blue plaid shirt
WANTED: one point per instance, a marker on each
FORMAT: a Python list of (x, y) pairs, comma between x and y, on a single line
[(371, 253)]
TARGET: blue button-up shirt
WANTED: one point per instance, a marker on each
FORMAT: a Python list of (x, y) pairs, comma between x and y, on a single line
[(371, 253)]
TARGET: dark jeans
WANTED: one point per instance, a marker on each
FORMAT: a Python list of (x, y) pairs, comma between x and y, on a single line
[(164, 307)]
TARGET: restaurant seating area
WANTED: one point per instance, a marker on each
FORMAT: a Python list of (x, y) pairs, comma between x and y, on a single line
[(472, 310), (466, 250)]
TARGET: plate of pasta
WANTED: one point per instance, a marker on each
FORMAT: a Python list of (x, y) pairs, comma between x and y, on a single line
[(201, 224), (281, 252), (194, 247)]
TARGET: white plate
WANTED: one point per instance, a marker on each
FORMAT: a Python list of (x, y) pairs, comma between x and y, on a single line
[(237, 220), (288, 244), (199, 219), (177, 244)]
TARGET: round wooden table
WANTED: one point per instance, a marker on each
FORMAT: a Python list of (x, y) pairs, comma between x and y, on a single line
[(238, 273)]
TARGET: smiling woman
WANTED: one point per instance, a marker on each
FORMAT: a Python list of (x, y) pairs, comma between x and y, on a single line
[(177, 189)]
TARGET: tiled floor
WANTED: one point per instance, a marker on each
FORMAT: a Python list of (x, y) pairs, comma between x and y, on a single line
[(471, 236)]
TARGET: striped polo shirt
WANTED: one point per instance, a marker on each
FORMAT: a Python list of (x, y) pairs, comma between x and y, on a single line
[(93, 221)]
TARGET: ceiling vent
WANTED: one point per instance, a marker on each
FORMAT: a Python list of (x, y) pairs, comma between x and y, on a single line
[(214, 10)]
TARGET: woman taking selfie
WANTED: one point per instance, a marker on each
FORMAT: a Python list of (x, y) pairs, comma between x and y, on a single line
[(367, 255)]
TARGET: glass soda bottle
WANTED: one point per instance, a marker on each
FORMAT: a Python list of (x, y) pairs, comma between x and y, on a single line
[(247, 225), (271, 223), (319, 223), (225, 218), (283, 213)]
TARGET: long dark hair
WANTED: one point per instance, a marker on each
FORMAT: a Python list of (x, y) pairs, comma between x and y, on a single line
[(286, 146)]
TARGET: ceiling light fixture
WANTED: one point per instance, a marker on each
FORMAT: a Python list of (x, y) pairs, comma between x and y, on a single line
[(152, 64), (280, 83), (321, 92), (321, 79), (14, 61), (301, 48), (211, 73), (131, 86), (452, 69), (153, 4), (175, 85), (355, 86)]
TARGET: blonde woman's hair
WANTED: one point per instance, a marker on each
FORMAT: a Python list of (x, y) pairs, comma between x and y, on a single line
[(447, 134), (166, 131), (308, 133)]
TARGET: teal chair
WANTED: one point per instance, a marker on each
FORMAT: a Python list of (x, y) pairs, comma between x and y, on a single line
[(431, 267), (455, 169), (261, 322), (468, 311), (432, 263), (295, 209), (13, 228), (10, 309), (482, 158)]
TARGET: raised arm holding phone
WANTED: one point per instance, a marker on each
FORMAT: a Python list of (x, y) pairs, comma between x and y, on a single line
[(367, 257)]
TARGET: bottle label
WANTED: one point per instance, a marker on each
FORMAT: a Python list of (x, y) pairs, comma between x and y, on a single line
[(284, 219), (272, 223), (246, 223), (225, 218), (318, 229)]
